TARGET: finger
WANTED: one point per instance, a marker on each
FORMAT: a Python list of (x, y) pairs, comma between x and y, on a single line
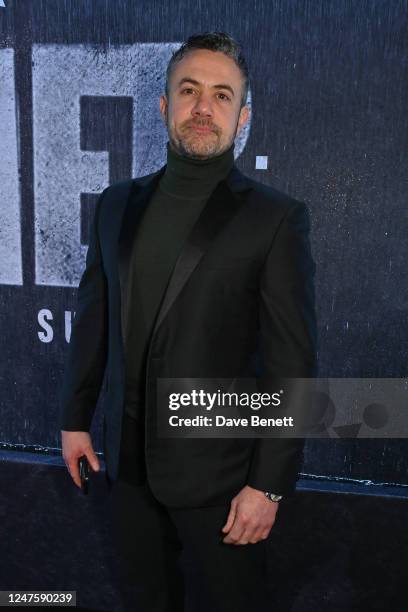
[(247, 535), (237, 530), (92, 459), (231, 518), (234, 536), (73, 469), (257, 536)]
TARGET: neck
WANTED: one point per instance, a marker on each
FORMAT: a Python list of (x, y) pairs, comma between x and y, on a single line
[(187, 177)]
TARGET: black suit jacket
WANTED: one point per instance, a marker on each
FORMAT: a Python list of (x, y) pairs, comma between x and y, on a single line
[(239, 302)]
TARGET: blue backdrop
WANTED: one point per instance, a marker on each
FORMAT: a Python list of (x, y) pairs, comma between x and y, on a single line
[(79, 108)]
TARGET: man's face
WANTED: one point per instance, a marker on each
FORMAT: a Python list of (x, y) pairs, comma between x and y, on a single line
[(203, 114)]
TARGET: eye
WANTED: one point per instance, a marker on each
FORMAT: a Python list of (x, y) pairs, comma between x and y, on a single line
[(189, 89)]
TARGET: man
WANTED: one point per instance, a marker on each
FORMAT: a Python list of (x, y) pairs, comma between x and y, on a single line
[(193, 271)]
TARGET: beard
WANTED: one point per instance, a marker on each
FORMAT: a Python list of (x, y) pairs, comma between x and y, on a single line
[(194, 144)]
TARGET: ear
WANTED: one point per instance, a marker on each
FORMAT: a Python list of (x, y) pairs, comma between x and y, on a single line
[(163, 108), (243, 118)]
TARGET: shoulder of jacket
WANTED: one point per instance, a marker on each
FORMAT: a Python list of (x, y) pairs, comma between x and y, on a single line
[(271, 202), (124, 185), (270, 194)]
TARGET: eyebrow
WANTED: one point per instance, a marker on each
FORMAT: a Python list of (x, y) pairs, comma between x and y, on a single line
[(194, 82)]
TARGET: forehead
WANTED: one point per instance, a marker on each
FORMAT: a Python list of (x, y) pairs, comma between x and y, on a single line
[(208, 67)]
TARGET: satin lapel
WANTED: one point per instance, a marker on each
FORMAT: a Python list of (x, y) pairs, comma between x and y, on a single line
[(137, 200), (220, 208)]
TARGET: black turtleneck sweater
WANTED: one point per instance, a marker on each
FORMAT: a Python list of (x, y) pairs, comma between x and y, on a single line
[(175, 205)]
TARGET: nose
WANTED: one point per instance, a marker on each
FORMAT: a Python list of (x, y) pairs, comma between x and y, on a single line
[(202, 107)]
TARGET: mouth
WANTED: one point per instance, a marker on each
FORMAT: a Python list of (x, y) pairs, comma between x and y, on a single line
[(201, 128)]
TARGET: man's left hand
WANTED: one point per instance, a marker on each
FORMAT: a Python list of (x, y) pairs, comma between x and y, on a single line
[(250, 518)]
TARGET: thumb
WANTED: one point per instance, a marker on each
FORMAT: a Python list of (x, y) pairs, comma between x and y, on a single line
[(231, 518), (93, 459)]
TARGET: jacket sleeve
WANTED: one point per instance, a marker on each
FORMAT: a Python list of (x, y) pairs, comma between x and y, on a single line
[(87, 351), (288, 342)]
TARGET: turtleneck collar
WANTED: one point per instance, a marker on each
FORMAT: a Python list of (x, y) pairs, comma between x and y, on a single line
[(185, 177)]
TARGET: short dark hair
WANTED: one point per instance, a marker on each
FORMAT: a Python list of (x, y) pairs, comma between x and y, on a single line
[(214, 41)]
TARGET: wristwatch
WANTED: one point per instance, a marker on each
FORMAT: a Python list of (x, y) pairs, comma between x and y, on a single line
[(273, 496)]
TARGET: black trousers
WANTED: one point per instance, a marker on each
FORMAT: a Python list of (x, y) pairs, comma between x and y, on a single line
[(158, 547)]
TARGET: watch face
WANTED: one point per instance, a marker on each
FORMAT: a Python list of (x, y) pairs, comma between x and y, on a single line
[(273, 497)]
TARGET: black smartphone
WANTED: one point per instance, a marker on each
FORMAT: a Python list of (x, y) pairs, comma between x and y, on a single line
[(84, 474)]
